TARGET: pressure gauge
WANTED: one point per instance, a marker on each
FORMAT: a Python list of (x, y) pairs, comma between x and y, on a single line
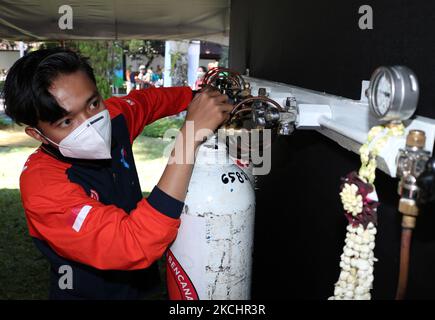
[(393, 93)]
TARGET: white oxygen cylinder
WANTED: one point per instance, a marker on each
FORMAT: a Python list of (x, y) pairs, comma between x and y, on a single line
[(211, 257)]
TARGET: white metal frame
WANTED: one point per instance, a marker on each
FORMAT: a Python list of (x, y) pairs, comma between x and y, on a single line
[(343, 120)]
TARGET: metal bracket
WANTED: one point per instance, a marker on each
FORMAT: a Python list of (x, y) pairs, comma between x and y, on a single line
[(344, 120)]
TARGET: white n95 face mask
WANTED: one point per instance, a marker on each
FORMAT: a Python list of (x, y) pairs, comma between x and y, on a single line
[(90, 140)]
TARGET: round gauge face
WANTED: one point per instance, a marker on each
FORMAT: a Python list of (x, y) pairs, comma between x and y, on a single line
[(393, 93), (383, 95)]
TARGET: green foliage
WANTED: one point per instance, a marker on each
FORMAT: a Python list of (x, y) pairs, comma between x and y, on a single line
[(158, 128), (47, 45), (149, 48), (134, 46), (175, 58), (104, 57), (98, 54), (4, 124), (147, 148)]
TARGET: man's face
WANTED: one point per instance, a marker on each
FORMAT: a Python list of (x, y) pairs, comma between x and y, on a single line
[(78, 95)]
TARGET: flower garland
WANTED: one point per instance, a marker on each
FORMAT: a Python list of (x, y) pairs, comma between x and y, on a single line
[(360, 202)]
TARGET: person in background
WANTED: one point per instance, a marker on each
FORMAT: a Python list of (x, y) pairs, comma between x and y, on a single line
[(148, 79), (140, 78), (159, 75), (127, 78), (3, 73), (200, 77), (213, 64), (154, 77), (132, 79), (159, 72)]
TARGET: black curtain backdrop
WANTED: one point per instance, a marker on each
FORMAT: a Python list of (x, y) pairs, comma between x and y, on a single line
[(300, 226)]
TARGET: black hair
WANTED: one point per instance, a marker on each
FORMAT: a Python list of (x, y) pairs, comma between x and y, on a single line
[(203, 68), (26, 95)]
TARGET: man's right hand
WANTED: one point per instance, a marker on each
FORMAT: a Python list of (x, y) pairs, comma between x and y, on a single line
[(206, 111)]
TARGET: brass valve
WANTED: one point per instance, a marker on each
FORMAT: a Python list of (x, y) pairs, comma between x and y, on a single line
[(411, 163)]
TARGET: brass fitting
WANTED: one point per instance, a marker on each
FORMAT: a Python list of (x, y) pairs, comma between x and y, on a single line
[(408, 207), (416, 138), (409, 160)]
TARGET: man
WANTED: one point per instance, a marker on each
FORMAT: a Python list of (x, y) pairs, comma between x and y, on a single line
[(141, 78), (200, 77), (80, 189)]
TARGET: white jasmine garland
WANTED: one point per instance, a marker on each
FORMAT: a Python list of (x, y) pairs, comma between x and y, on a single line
[(352, 201), (356, 276)]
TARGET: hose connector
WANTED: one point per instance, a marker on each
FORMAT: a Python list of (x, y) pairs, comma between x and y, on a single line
[(410, 164)]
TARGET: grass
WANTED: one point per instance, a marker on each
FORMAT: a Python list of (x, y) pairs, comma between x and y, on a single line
[(158, 128), (5, 124), (23, 270)]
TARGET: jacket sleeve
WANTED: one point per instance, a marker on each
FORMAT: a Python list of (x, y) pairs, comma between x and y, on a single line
[(142, 107), (82, 229)]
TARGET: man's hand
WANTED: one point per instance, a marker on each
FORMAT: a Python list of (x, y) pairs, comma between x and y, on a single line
[(208, 110)]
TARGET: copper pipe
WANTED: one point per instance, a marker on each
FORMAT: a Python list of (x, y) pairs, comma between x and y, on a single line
[(234, 76), (209, 73), (241, 111), (259, 98), (409, 209), (233, 79), (234, 112), (231, 117), (404, 263)]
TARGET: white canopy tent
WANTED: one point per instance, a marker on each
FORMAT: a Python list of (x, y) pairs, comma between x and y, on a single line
[(35, 20)]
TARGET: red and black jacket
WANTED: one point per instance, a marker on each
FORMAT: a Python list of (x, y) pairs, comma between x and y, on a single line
[(91, 215)]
